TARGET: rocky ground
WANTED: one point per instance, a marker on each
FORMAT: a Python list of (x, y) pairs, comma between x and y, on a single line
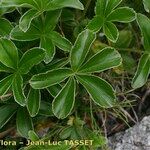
[(135, 138)]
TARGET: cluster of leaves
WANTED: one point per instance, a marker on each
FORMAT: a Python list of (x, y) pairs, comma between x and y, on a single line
[(53, 64)]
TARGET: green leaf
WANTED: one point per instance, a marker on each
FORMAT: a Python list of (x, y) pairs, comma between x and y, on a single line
[(81, 48), (43, 5), (32, 34), (144, 24), (8, 53), (25, 20), (124, 40), (51, 19), (64, 101), (33, 102), (5, 10), (57, 63), (6, 112), (95, 24), (143, 72), (111, 31), (5, 27), (147, 5), (54, 90), (4, 68), (100, 7), (57, 4), (98, 140), (17, 87), (50, 78), (5, 84), (46, 109), (24, 122), (106, 59), (33, 136), (99, 90), (60, 41), (122, 14), (66, 132), (111, 5), (16, 3), (49, 47), (32, 57)]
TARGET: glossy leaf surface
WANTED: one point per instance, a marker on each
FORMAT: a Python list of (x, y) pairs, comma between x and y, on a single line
[(50, 78), (24, 122), (8, 53), (144, 24), (32, 57), (33, 102), (143, 72), (5, 84), (99, 90), (103, 60), (17, 88), (81, 48), (6, 112), (64, 101)]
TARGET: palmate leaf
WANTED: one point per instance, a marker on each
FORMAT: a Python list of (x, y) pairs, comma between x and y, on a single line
[(103, 60), (8, 53), (32, 57), (17, 88), (6, 112), (33, 102), (63, 103), (81, 48), (5, 27), (143, 72), (106, 13), (38, 7), (144, 24), (50, 20), (43, 30), (50, 78), (24, 122), (99, 90)]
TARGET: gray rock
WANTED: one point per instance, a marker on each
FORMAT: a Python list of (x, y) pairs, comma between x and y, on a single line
[(135, 138)]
